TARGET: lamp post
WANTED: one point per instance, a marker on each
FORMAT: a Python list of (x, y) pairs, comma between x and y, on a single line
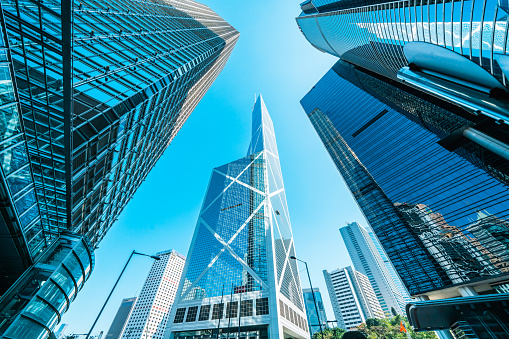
[(312, 293), (118, 279)]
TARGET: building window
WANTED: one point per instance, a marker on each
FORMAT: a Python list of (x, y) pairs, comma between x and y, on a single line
[(231, 309), (179, 315), (191, 314), (262, 306), (246, 308), (217, 311), (204, 313)]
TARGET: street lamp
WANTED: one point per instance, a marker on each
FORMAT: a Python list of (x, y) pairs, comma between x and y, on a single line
[(118, 279), (312, 293)]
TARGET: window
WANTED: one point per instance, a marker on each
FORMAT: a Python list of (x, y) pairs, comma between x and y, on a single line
[(246, 308), (179, 315), (204, 313), (191, 314), (262, 306), (231, 309), (217, 311)]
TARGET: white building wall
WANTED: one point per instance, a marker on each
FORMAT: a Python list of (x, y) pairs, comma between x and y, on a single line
[(150, 314), (353, 299), (367, 260)]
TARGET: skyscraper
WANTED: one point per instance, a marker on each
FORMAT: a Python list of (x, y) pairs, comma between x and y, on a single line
[(315, 320), (149, 317), (352, 296), (419, 198), (120, 321), (92, 94), (367, 260), (240, 252), (450, 55), (390, 268)]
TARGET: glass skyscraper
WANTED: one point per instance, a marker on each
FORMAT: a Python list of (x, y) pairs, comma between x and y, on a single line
[(439, 215), (92, 93), (315, 320), (239, 280), (450, 56)]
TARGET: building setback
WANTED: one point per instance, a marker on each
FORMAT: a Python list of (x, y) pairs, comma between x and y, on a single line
[(367, 260), (352, 296), (93, 93), (239, 278), (315, 320), (419, 198), (150, 314)]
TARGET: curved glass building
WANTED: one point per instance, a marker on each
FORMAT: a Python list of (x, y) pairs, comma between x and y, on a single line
[(91, 95), (50, 285)]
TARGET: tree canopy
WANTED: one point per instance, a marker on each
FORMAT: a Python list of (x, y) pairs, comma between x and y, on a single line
[(389, 328)]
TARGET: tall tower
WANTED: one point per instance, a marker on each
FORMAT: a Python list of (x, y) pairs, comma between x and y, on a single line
[(352, 296), (367, 260), (93, 94), (420, 199), (241, 249), (150, 314), (120, 321), (315, 320)]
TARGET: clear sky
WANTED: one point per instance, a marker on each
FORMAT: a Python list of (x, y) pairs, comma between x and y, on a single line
[(272, 57)]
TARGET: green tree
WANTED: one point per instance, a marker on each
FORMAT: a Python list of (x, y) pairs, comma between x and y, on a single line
[(330, 333), (390, 328)]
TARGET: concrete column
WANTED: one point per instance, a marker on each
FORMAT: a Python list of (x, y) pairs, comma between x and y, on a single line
[(467, 291)]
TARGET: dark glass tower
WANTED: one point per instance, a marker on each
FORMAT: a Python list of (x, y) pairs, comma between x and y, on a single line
[(422, 201), (315, 320), (239, 279), (92, 94)]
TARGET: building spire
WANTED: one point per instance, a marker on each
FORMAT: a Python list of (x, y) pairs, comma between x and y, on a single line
[(262, 134)]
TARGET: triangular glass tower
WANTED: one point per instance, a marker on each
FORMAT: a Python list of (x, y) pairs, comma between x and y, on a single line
[(239, 280)]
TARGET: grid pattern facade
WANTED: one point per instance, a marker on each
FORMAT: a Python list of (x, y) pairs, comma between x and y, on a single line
[(230, 239), (103, 88), (367, 260), (121, 318), (378, 30), (438, 117), (151, 312), (353, 299), (243, 240), (315, 320), (49, 289), (419, 198)]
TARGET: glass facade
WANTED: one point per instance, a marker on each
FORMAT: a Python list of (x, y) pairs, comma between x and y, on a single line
[(378, 31), (315, 320), (435, 213), (242, 243), (46, 291), (91, 95)]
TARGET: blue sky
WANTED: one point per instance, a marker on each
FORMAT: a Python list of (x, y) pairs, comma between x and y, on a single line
[(272, 57)]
